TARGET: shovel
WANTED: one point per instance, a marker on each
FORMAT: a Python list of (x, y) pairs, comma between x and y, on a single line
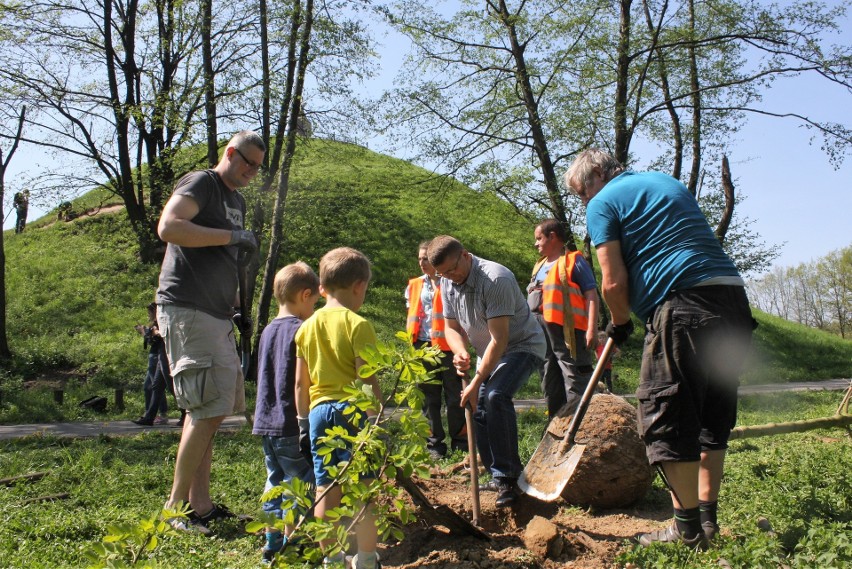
[(555, 459), (474, 466)]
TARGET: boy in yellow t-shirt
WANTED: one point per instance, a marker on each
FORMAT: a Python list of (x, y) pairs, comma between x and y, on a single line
[(327, 347)]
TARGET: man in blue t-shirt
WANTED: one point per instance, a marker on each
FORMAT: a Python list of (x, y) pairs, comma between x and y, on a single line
[(660, 259)]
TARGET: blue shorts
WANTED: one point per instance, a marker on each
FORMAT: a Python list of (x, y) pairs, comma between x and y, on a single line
[(324, 416), (696, 343)]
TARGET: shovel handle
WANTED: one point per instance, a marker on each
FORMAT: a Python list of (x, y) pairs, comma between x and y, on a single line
[(583, 406), (474, 466)]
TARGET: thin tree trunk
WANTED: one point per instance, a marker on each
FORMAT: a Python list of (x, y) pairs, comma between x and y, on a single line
[(692, 183), (522, 79), (271, 264), (5, 352), (728, 189), (677, 134), (209, 83), (622, 141), (266, 80)]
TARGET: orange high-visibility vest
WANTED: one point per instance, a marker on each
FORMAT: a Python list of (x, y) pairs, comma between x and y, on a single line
[(439, 338), (556, 285)]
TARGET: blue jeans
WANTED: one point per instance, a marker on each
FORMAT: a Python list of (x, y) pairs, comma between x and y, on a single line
[(284, 461), (495, 417), (154, 388)]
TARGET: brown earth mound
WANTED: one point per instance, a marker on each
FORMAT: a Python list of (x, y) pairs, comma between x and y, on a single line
[(547, 535), (613, 471), (587, 539)]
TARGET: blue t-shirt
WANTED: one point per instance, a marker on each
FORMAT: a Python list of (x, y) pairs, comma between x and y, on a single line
[(666, 241), (582, 274), (275, 407)]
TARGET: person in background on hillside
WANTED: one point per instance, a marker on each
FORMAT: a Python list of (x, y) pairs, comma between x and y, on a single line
[(425, 325), (606, 376), (21, 202), (296, 289), (563, 284), (156, 407), (660, 259), (483, 301), (203, 225), (327, 347)]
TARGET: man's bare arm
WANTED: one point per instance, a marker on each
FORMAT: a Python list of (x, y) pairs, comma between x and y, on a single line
[(614, 283), (176, 225)]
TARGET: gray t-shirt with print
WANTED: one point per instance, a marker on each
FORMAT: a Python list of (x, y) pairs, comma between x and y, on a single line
[(204, 278)]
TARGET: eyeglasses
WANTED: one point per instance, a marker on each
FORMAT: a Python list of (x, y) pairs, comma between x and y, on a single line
[(454, 267), (250, 164)]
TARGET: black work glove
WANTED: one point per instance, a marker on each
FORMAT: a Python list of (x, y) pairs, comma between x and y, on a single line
[(619, 332), (244, 239), (305, 440), (243, 323)]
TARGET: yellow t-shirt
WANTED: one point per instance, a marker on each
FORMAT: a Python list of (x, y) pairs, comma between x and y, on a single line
[(329, 342)]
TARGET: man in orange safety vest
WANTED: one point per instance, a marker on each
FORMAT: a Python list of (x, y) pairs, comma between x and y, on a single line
[(563, 295), (425, 324)]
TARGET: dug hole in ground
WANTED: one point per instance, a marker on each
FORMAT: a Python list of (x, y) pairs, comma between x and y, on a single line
[(611, 476)]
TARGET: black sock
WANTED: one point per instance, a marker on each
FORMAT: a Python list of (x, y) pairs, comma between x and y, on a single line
[(688, 522), (708, 512)]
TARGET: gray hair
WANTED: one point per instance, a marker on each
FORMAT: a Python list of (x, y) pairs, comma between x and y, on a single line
[(580, 171)]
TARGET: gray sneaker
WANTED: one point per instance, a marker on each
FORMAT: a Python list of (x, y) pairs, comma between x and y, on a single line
[(672, 535), (188, 525)]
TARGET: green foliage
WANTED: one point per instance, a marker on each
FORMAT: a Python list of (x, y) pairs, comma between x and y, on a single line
[(132, 544), (390, 442), (799, 483)]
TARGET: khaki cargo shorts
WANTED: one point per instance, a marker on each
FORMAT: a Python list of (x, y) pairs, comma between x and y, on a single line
[(203, 360)]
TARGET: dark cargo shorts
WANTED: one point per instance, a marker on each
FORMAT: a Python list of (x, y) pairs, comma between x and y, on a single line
[(696, 343)]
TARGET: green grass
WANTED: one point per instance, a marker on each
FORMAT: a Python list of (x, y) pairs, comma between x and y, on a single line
[(75, 290), (799, 482)]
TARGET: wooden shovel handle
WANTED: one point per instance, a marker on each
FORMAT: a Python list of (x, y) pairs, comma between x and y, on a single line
[(583, 406), (471, 450)]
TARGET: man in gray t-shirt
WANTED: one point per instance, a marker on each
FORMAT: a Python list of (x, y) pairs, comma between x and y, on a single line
[(203, 226), (482, 299)]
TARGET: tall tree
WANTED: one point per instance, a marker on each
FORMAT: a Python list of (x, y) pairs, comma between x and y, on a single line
[(603, 74), (115, 79), (5, 353)]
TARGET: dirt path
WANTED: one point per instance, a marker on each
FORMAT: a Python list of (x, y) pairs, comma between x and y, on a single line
[(91, 213)]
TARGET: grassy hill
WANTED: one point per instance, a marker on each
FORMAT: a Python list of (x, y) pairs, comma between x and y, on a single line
[(76, 289)]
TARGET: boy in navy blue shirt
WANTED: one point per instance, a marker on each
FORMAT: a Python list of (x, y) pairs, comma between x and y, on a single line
[(296, 289)]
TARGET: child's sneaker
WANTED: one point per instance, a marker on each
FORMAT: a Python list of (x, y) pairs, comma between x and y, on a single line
[(274, 544), (161, 421), (352, 563), (334, 562)]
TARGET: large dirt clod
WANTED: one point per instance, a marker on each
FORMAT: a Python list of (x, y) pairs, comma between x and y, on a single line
[(613, 471), (542, 537)]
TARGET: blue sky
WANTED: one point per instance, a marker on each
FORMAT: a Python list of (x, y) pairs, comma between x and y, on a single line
[(795, 198)]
